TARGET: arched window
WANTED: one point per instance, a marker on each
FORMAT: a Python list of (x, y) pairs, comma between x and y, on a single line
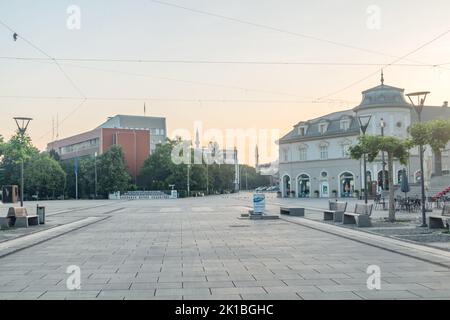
[(385, 185), (303, 186), (399, 176), (347, 184), (286, 186)]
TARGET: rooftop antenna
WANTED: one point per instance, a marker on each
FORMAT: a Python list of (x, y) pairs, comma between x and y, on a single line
[(57, 126), (382, 77), (53, 128), (145, 110), (257, 158)]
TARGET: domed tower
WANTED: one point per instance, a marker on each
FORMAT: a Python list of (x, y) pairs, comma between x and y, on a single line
[(387, 103)]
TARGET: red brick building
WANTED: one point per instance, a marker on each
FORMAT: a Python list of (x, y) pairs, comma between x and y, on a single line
[(137, 135), (134, 142)]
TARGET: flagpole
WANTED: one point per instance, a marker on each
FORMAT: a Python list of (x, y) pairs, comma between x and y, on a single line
[(76, 178)]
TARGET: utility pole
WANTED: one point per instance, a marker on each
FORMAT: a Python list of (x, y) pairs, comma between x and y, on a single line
[(22, 124), (383, 169), (236, 171), (421, 96), (76, 177), (364, 121), (95, 167), (188, 179), (246, 179), (207, 179)]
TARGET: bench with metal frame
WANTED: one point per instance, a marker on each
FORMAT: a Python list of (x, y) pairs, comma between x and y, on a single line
[(442, 221), (335, 212), (360, 217)]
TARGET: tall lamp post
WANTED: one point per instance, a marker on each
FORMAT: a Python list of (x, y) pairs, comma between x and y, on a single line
[(188, 179), (22, 124), (383, 164), (364, 121), (421, 96), (96, 176)]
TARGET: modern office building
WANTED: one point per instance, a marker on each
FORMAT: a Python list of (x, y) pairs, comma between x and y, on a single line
[(137, 135), (314, 159), (155, 125)]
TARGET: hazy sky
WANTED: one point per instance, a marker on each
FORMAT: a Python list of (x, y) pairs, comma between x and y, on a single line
[(220, 95)]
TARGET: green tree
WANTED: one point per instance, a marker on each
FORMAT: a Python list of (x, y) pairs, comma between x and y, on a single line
[(395, 149), (252, 179), (44, 177), (86, 177), (19, 148), (68, 167), (435, 133), (2, 145), (53, 154), (2, 170), (221, 177), (198, 177), (112, 172), (157, 168), (159, 171)]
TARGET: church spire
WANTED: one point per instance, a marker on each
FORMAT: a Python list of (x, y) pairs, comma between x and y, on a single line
[(197, 139), (382, 77)]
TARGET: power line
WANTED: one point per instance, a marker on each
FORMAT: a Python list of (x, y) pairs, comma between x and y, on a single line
[(181, 100), (386, 66), (74, 110), (271, 28), (69, 79), (79, 105), (185, 81), (238, 62)]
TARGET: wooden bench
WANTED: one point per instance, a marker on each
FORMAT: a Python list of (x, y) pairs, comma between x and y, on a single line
[(293, 211), (442, 221), (360, 217), (335, 212), (19, 218)]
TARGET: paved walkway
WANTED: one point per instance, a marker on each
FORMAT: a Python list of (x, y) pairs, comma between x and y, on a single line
[(198, 249)]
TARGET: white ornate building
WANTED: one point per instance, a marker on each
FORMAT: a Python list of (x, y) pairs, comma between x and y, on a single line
[(313, 156)]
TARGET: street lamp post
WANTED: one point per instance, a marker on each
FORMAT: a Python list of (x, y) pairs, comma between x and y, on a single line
[(421, 96), (207, 179), (95, 169), (383, 164), (364, 121), (22, 124), (76, 176), (246, 179), (188, 179)]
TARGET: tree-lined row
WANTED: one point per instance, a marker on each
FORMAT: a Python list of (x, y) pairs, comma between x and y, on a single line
[(49, 177), (435, 134), (159, 172)]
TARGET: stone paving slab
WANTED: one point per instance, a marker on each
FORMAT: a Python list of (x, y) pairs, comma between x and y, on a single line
[(188, 249)]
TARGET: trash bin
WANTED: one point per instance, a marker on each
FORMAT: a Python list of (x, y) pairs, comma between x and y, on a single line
[(41, 214)]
